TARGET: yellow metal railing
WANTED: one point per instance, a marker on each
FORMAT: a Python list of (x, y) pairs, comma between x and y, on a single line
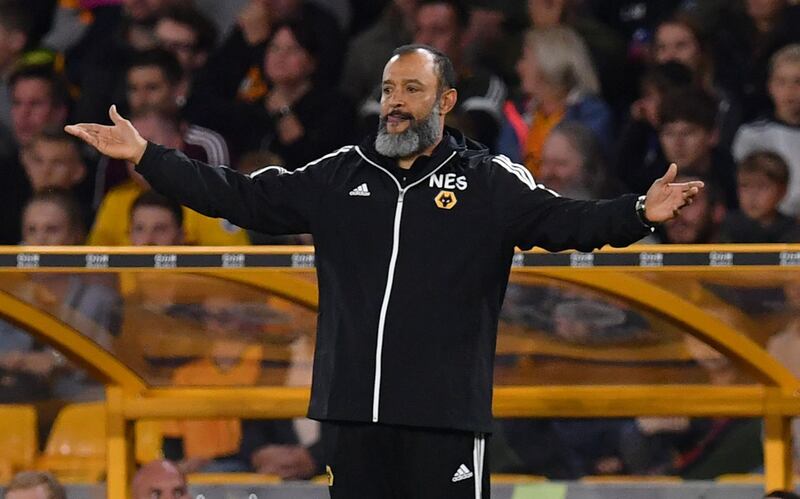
[(129, 398)]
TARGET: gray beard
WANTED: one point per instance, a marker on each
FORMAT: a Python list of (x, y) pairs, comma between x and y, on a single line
[(419, 136)]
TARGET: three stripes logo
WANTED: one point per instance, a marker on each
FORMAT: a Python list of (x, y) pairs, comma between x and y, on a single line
[(361, 190), (462, 473)]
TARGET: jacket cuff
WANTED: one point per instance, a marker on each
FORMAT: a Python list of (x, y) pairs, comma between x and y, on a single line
[(151, 153)]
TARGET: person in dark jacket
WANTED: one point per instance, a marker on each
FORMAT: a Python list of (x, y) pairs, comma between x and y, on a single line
[(415, 231)]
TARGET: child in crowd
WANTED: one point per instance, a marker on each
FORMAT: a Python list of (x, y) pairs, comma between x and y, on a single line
[(762, 179), (688, 136), (781, 131)]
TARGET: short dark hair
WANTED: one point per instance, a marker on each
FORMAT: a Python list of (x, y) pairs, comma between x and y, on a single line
[(767, 163), (459, 8), (154, 199), (445, 71), (59, 93), (25, 480), (57, 134), (14, 16), (302, 33), (65, 200), (203, 28), (691, 104), (160, 58)]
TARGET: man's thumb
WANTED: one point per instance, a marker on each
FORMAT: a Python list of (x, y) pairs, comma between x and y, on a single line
[(670, 175), (114, 115)]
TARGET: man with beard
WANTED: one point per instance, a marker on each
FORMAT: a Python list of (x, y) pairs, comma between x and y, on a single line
[(415, 231)]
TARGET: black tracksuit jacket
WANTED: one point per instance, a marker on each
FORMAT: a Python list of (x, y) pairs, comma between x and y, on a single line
[(412, 265)]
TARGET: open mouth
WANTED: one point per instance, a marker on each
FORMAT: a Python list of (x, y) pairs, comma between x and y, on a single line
[(398, 117)]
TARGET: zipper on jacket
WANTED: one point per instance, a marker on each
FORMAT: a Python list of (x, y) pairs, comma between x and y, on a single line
[(376, 392), (398, 212)]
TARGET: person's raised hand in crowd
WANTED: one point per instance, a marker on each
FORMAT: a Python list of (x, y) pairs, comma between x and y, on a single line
[(666, 197), (119, 141), (254, 21)]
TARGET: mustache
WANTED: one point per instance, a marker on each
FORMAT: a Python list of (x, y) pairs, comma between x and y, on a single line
[(398, 114)]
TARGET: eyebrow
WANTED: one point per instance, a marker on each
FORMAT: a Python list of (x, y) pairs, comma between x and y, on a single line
[(412, 80)]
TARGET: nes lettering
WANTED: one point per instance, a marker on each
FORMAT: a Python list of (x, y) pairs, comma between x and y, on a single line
[(448, 181)]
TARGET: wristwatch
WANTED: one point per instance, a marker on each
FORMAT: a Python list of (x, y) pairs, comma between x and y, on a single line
[(640, 212)]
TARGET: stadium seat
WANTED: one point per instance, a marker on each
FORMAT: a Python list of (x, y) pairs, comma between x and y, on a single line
[(18, 439), (149, 440), (76, 447)]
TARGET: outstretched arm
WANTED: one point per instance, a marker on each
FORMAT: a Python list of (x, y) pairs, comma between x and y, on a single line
[(535, 216), (274, 201)]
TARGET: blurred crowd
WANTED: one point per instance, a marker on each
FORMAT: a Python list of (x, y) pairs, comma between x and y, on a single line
[(594, 97)]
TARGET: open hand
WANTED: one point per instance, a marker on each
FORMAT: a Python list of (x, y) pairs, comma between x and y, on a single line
[(119, 141), (665, 198)]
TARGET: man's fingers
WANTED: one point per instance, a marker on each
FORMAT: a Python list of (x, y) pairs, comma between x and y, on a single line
[(82, 133), (686, 185)]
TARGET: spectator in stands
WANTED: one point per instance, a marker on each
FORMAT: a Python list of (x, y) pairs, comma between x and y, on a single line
[(699, 222), (762, 178), (98, 62), (573, 164), (779, 132), (300, 119), (32, 371), (689, 138), (234, 359), (638, 150), (156, 221), (607, 47), (39, 99), (159, 479), (746, 39), (188, 34), (53, 218), (558, 79), (368, 52), (442, 24), (698, 448), (53, 160), (15, 29), (235, 69), (112, 224), (680, 39), (34, 485), (156, 80)]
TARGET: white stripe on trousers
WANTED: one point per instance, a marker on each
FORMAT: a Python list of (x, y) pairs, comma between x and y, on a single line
[(478, 448)]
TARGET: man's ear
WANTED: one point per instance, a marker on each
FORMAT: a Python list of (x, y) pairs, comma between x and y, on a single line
[(448, 101)]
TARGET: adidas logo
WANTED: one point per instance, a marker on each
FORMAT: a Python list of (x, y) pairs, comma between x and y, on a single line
[(462, 473), (361, 190)]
